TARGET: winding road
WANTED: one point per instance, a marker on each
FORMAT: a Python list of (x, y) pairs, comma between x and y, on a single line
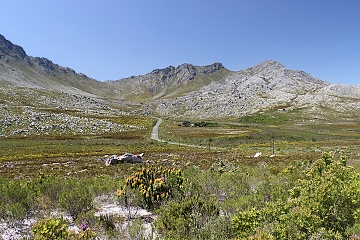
[(155, 136), (155, 131)]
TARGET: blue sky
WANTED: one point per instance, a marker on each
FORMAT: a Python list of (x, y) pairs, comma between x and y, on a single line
[(112, 39)]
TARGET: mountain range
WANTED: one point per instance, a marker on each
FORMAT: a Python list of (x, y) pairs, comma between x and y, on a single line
[(185, 91)]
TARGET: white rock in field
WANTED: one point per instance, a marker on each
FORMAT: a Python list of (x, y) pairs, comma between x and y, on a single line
[(258, 154)]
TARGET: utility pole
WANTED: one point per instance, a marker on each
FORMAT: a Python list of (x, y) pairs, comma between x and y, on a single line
[(273, 143)]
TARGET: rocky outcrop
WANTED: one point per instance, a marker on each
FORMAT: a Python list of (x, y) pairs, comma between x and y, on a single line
[(266, 86), (30, 111), (162, 83), (125, 158), (181, 74), (9, 50)]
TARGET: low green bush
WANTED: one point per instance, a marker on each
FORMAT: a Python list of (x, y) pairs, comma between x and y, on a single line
[(55, 229), (324, 203), (49, 188), (75, 197), (16, 199), (185, 219)]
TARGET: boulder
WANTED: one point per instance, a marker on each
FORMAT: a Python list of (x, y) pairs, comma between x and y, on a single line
[(258, 154), (126, 158)]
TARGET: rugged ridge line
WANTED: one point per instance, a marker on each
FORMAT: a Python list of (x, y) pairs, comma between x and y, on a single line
[(187, 91), (267, 86), (20, 70), (9, 49), (165, 82)]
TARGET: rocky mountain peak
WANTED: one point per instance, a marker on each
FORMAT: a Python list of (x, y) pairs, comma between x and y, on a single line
[(9, 49), (185, 71), (11, 52), (20, 70), (166, 82), (268, 85), (278, 76), (270, 64), (266, 68)]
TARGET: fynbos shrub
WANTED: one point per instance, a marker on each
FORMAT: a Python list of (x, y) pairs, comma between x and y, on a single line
[(50, 229), (324, 203), (154, 184), (75, 198)]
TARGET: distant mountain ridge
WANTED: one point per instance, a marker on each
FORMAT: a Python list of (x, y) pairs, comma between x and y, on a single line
[(166, 82), (268, 85), (187, 91), (19, 69)]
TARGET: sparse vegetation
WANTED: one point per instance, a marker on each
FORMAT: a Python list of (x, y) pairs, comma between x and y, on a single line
[(220, 190), (197, 124)]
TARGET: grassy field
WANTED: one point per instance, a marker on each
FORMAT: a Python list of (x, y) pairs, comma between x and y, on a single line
[(288, 135)]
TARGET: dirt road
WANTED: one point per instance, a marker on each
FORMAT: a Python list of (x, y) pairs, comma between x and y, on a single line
[(155, 136)]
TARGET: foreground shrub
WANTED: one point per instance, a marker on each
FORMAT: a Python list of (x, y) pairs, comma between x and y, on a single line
[(16, 199), (323, 204), (75, 198), (57, 229), (50, 229), (246, 223), (86, 234), (155, 184), (218, 227), (49, 188), (185, 219)]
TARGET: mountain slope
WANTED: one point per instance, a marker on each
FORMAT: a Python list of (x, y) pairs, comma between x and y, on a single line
[(19, 69), (212, 91), (168, 82), (267, 86), (186, 91), (40, 98)]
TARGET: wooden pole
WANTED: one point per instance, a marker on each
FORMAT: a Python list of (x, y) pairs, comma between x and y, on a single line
[(273, 143)]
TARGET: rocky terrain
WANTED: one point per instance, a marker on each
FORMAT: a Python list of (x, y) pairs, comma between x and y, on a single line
[(168, 82), (267, 86), (185, 91), (39, 97)]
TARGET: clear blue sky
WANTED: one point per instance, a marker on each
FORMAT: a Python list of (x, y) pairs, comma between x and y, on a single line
[(112, 39)]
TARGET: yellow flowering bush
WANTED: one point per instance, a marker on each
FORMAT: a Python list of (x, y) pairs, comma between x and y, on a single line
[(154, 184), (50, 229)]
